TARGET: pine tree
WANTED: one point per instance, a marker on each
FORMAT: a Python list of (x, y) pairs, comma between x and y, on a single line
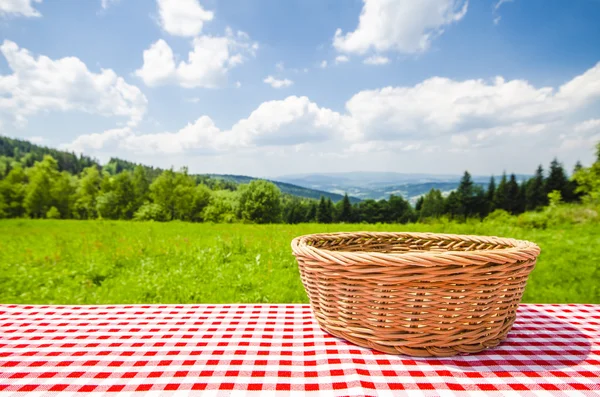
[(345, 210), (489, 197), (324, 214), (501, 200), (512, 189), (535, 195), (311, 213), (557, 180)]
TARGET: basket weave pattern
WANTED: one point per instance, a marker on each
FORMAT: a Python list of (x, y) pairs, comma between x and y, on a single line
[(419, 294)]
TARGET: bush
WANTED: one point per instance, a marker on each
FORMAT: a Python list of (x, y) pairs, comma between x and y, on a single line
[(150, 212), (53, 213)]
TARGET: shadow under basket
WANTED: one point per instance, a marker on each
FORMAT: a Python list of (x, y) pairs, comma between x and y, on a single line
[(419, 294)]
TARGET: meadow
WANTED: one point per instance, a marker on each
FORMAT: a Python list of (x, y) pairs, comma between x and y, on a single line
[(109, 262)]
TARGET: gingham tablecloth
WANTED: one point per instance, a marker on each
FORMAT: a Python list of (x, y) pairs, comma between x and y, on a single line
[(277, 349)]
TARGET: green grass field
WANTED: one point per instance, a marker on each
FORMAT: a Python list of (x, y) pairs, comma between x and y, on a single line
[(105, 262)]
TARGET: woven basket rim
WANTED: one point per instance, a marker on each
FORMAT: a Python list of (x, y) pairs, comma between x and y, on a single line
[(516, 250)]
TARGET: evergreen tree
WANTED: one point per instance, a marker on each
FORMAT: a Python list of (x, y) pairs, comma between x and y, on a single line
[(535, 195), (311, 214), (501, 197), (557, 180), (513, 193), (324, 214), (345, 210), (330, 210), (490, 193)]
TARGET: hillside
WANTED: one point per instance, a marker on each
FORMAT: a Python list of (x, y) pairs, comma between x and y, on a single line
[(16, 148), (288, 188), (380, 185)]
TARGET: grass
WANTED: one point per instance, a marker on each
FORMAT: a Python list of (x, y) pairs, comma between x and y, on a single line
[(107, 262)]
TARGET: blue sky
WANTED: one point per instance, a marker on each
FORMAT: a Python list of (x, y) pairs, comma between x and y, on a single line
[(267, 87)]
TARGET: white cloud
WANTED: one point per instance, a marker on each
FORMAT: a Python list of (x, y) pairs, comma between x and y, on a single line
[(43, 84), (280, 66), (38, 140), (207, 65), (341, 59), (277, 83), (376, 60), (19, 8), (496, 7), (292, 121), (323, 64), (107, 3), (588, 125), (405, 26), (238, 84), (182, 17), (436, 116), (438, 106)]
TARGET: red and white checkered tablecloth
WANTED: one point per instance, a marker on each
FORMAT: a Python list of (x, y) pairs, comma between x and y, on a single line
[(277, 349)]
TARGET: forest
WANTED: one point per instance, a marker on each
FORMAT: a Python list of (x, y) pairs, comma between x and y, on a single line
[(38, 182)]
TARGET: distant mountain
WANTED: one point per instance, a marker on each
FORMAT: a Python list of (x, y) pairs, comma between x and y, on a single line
[(287, 188), (379, 185)]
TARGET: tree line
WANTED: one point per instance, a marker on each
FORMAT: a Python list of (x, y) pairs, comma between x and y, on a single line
[(79, 188)]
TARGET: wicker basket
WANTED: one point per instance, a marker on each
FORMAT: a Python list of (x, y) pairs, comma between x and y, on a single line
[(419, 294)]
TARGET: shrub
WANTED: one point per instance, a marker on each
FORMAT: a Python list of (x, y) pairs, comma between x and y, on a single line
[(150, 212), (53, 213)]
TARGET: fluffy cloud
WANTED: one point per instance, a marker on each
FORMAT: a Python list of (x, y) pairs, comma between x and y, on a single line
[(405, 26), (277, 83), (182, 17), (341, 59), (437, 115), (292, 121), (19, 8), (207, 65), (40, 84), (438, 106), (107, 3), (376, 60)]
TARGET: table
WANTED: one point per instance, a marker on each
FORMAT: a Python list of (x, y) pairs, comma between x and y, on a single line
[(277, 349)]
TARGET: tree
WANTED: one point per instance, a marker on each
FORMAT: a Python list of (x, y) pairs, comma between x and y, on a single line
[(38, 196), (311, 213), (87, 193), (399, 210), (535, 194), (501, 197), (107, 206), (162, 192), (63, 194), (124, 191), (557, 180), (433, 204), (453, 205), (13, 190), (141, 186), (588, 180), (202, 196), (260, 202), (512, 191), (324, 212), (489, 197), (345, 210)]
